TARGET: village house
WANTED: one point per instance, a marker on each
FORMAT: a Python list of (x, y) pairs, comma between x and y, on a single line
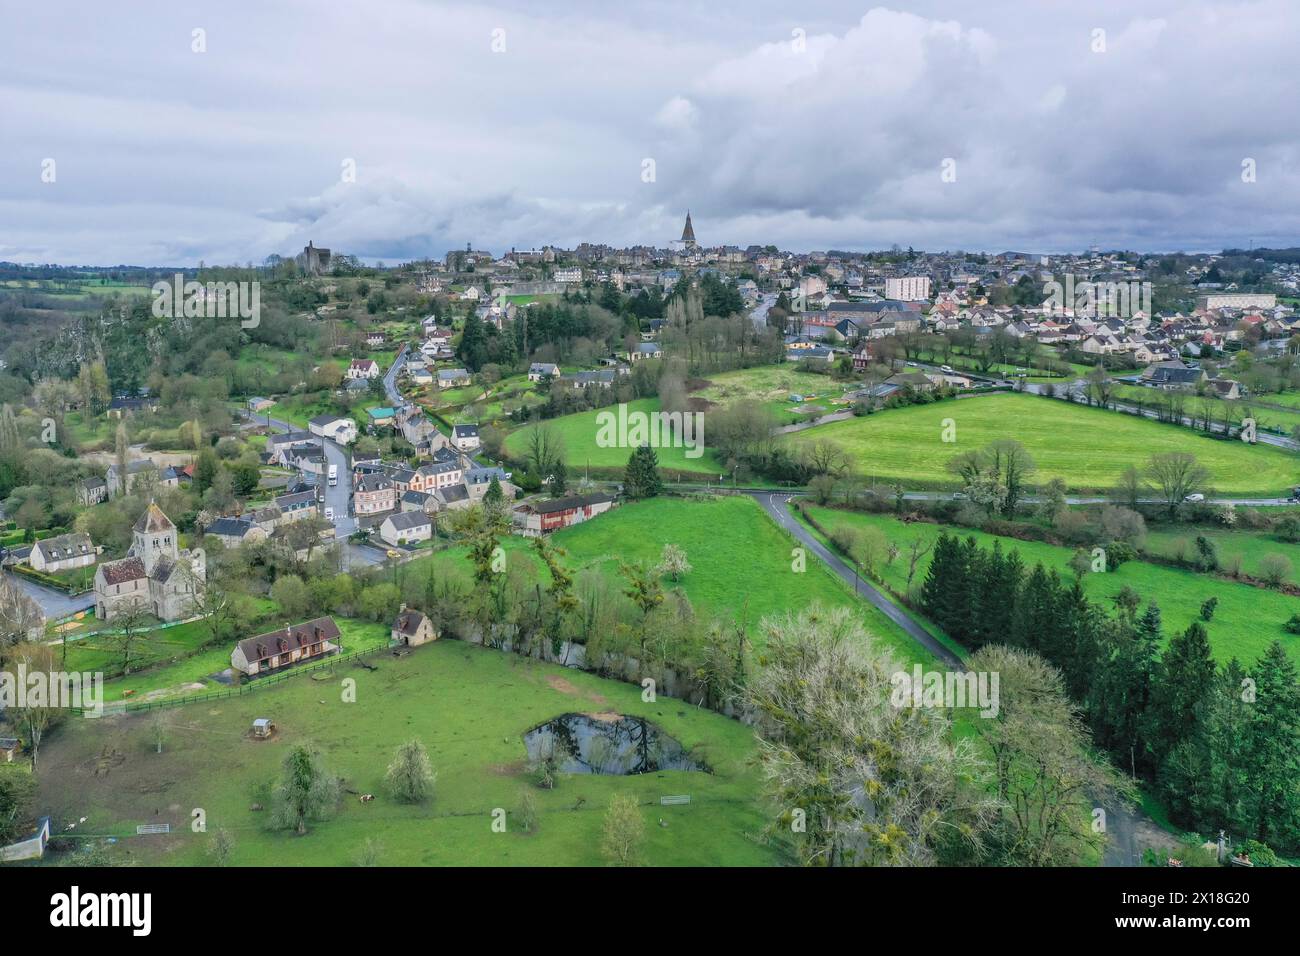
[(540, 370), (452, 498), (156, 575), (338, 428), (134, 471), (412, 629), (645, 350), (465, 437), (64, 553), (234, 532), (297, 506), (289, 645), (452, 377), (376, 339), (479, 480), (535, 518), (363, 369), (373, 494), (406, 527), (92, 491)]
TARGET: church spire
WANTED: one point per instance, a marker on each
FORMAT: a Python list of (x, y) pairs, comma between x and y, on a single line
[(688, 232)]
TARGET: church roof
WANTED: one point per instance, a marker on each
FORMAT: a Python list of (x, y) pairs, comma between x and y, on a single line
[(688, 233), (154, 520)]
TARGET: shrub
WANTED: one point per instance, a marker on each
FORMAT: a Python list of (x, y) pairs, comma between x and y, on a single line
[(1117, 552), (1274, 569), (1207, 608)]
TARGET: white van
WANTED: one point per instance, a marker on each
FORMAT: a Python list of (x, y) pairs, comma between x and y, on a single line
[(329, 515), (334, 475)]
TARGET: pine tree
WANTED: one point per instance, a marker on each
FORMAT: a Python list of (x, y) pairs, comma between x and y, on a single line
[(1272, 746), (641, 479), (1182, 687), (1034, 613), (936, 590)]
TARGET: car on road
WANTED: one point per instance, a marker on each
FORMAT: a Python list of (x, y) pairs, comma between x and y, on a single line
[(329, 514), (911, 365), (946, 368), (1194, 498), (958, 496), (334, 475), (393, 553)]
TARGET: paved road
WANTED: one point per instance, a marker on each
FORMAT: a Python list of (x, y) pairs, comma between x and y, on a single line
[(759, 313), (54, 603), (390, 377), (778, 506)]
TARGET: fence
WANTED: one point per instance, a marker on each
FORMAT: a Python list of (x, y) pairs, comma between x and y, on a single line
[(131, 707)]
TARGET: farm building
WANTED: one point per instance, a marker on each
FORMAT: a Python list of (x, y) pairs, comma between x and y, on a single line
[(413, 629), (535, 518), (289, 645)]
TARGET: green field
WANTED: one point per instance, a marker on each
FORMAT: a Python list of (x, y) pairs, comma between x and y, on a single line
[(1247, 620), (1250, 546), (468, 705), (578, 433), (741, 561), (1086, 447), (772, 386)]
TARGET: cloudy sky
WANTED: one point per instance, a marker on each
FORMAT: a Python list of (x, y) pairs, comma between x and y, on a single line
[(1035, 126)]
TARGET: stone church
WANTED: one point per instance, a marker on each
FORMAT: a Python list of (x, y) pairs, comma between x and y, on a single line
[(155, 575)]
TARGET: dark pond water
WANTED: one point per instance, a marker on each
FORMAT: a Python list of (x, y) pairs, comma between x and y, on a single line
[(608, 744)]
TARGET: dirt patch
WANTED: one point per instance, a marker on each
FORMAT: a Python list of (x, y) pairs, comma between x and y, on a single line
[(512, 769), (559, 683), (698, 384), (699, 404), (606, 717), (555, 682)]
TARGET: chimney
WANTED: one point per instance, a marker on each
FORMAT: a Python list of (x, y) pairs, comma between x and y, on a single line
[(401, 608)]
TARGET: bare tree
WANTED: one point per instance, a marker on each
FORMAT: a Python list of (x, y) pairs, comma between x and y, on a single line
[(1176, 474)]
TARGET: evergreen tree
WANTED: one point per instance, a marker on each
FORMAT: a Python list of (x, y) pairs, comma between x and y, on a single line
[(1035, 611), (641, 479), (1272, 748), (1182, 687)]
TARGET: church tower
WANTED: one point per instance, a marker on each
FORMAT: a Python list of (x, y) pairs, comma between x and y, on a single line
[(155, 538), (688, 233)]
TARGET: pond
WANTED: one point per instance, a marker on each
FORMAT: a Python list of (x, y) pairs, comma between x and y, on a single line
[(607, 744)]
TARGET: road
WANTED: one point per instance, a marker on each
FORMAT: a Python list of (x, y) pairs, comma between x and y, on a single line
[(778, 506), (759, 313), (390, 377), (54, 603)]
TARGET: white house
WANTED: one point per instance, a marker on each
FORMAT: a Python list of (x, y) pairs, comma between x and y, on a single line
[(334, 427), (406, 527), (465, 437), (363, 368), (67, 551)]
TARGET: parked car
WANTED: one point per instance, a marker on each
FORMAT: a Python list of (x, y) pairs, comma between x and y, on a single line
[(329, 514)]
